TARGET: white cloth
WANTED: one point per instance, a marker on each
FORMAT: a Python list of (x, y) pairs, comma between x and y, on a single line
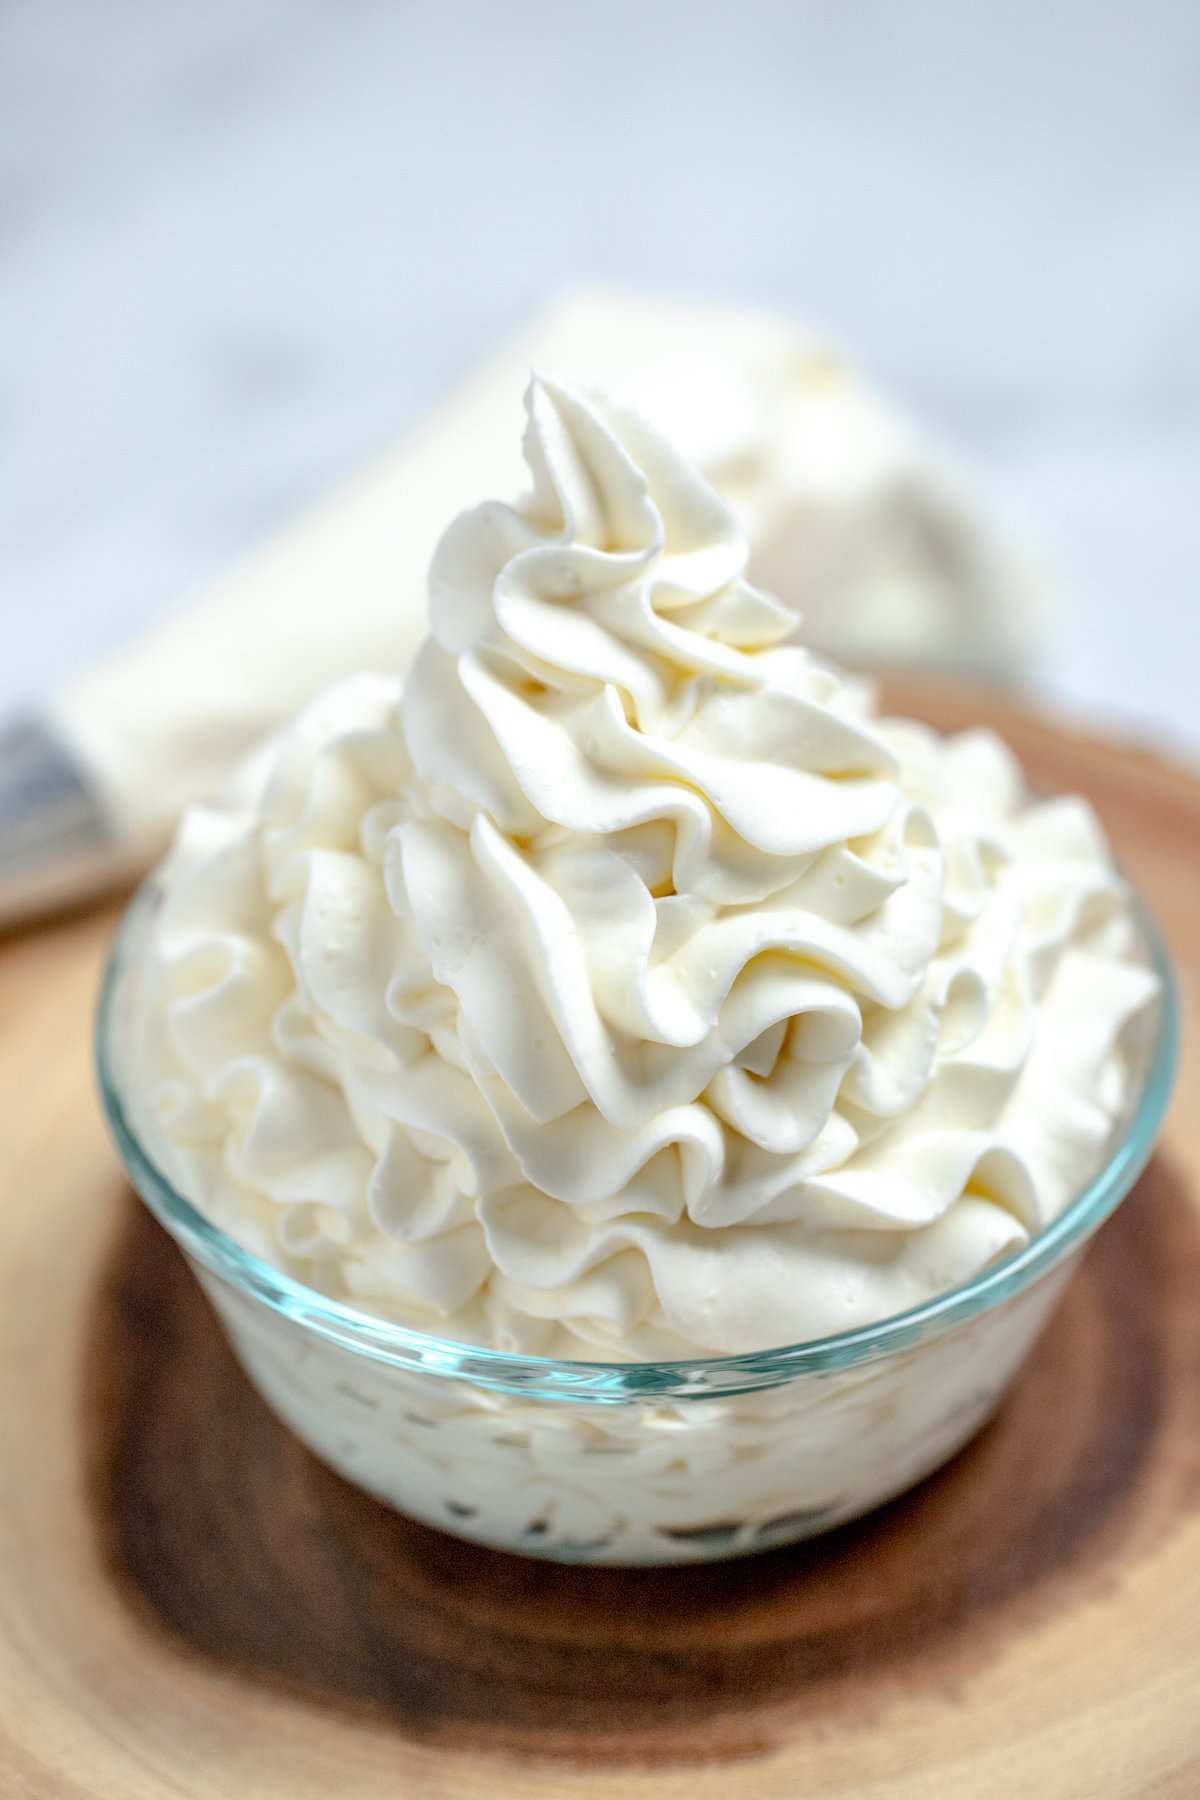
[(853, 518)]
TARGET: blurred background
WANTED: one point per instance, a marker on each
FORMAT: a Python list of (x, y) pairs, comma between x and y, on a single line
[(244, 242)]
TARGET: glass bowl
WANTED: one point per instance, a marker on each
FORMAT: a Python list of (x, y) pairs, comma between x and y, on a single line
[(633, 1463)]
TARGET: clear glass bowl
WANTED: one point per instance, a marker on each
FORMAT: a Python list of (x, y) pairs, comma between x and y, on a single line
[(633, 1462)]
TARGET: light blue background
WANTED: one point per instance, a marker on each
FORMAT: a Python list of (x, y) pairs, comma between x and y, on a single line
[(242, 241)]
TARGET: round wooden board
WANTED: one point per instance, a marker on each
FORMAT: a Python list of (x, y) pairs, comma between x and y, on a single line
[(190, 1606)]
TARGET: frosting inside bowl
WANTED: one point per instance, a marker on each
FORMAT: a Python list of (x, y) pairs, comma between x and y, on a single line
[(624, 985)]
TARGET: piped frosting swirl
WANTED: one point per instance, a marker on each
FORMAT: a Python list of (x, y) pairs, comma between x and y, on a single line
[(631, 988)]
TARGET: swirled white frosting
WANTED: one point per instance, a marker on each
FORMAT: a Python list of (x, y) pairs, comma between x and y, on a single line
[(632, 989)]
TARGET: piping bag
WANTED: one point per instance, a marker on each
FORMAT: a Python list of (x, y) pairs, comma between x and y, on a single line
[(853, 516)]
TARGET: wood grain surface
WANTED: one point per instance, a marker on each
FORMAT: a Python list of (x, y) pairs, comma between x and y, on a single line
[(191, 1606)]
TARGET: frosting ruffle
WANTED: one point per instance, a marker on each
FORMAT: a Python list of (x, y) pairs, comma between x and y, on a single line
[(629, 986)]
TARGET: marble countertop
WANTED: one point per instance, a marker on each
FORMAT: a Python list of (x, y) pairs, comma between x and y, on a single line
[(243, 242)]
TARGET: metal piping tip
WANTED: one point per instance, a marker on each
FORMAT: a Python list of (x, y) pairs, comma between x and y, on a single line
[(57, 844)]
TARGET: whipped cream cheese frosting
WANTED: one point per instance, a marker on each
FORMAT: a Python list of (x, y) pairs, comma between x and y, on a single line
[(626, 986)]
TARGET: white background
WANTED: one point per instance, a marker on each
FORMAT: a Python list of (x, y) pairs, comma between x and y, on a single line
[(243, 241)]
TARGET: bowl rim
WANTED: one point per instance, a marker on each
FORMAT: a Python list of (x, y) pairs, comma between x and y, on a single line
[(404, 1347)]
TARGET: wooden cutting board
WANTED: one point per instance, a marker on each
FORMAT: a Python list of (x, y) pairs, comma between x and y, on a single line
[(191, 1606)]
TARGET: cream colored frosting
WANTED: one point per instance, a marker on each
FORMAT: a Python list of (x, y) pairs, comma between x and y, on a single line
[(633, 989)]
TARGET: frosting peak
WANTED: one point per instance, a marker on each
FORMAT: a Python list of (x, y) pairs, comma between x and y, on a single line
[(634, 985), (598, 661)]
